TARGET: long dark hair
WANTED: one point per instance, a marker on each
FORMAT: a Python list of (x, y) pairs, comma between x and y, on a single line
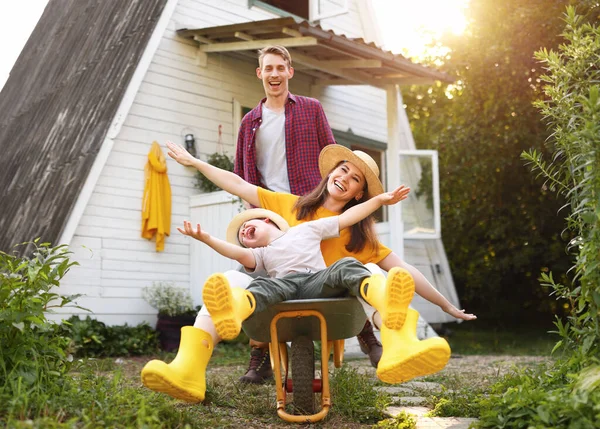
[(361, 234)]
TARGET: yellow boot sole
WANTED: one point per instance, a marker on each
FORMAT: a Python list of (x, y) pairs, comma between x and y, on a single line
[(399, 292), (432, 357), (157, 376), (219, 301)]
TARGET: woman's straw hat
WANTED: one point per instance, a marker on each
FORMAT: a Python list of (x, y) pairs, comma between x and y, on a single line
[(238, 220), (331, 155)]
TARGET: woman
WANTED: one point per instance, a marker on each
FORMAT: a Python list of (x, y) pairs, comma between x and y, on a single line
[(349, 177)]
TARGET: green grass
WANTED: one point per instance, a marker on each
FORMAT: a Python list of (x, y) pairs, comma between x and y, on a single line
[(472, 339)]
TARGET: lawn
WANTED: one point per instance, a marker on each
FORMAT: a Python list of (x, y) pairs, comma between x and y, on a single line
[(108, 392)]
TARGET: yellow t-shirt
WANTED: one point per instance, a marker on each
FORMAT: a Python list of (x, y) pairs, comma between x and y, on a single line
[(333, 249)]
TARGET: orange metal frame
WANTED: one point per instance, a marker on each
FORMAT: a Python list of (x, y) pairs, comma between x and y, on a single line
[(279, 358)]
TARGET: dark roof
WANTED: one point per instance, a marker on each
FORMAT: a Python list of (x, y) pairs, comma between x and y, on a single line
[(57, 106), (332, 59)]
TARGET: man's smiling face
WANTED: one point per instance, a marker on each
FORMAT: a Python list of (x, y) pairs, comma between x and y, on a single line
[(275, 73)]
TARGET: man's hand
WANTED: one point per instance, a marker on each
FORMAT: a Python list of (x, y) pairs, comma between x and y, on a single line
[(395, 196), (179, 154), (198, 234), (459, 314)]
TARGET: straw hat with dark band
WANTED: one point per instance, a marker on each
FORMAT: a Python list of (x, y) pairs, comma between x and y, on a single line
[(234, 226), (331, 155)]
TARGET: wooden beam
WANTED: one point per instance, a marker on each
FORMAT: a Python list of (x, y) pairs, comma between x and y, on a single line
[(243, 36), (291, 32), (353, 64), (288, 42), (329, 82), (202, 39), (317, 65)]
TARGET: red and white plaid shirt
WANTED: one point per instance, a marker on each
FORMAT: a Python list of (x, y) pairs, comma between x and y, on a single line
[(306, 133)]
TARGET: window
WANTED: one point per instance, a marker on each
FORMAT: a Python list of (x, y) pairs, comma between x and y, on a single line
[(311, 10)]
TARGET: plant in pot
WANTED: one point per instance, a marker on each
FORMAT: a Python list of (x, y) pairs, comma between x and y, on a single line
[(175, 310)]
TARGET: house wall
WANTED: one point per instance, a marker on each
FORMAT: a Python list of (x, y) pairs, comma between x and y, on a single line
[(178, 96)]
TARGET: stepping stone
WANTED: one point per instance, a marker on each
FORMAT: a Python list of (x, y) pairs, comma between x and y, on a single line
[(409, 400), (395, 390), (444, 422), (423, 385), (415, 411)]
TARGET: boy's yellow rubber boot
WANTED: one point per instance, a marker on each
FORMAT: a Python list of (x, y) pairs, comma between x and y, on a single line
[(390, 297), (405, 357), (185, 377), (228, 307)]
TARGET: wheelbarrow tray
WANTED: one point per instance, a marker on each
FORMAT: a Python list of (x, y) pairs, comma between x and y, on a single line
[(345, 318)]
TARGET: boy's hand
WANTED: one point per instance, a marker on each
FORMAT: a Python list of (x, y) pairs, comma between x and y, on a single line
[(179, 154), (198, 234), (395, 196)]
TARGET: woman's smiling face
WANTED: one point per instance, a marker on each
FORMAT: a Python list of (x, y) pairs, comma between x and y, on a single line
[(345, 182)]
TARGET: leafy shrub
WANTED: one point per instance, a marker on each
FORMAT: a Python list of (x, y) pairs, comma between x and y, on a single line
[(92, 338), (168, 299), (33, 356), (219, 160)]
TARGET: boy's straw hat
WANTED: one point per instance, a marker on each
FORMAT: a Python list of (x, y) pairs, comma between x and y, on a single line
[(331, 155), (239, 219)]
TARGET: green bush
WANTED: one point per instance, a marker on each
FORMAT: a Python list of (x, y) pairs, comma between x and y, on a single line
[(33, 358), (92, 338), (219, 160)]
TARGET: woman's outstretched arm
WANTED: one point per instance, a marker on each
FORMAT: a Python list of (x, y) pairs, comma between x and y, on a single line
[(424, 288), (224, 179)]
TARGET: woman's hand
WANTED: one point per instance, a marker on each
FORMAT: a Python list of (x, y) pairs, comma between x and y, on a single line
[(395, 196), (198, 234), (459, 314), (179, 154)]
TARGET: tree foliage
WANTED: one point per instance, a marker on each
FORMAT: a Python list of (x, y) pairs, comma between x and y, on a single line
[(500, 227)]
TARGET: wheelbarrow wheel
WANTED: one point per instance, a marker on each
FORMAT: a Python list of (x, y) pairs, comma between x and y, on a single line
[(303, 373)]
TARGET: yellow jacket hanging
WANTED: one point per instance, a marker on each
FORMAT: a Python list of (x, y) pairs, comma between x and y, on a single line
[(156, 204)]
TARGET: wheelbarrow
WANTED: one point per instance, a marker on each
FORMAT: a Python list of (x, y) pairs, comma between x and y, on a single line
[(301, 322)]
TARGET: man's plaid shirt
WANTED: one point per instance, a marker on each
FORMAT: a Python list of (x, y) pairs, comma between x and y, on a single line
[(306, 133)]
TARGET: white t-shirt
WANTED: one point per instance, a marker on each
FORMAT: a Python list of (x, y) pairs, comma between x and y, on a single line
[(270, 151), (298, 250)]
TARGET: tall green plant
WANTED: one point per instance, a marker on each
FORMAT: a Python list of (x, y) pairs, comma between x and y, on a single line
[(33, 356), (572, 110)]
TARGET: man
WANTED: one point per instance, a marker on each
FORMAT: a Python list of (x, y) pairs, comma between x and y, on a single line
[(278, 148)]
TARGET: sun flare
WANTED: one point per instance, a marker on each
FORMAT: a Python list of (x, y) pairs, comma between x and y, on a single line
[(407, 27)]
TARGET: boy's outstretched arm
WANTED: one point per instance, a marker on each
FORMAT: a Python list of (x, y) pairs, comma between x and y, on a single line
[(224, 179), (360, 211), (231, 251)]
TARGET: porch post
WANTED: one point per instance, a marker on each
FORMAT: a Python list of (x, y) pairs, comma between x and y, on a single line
[(399, 137)]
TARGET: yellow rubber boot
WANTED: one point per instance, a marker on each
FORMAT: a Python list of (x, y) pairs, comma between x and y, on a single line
[(405, 357), (390, 297), (185, 377), (228, 307)]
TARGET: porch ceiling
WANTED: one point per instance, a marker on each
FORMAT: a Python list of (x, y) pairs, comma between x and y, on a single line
[(331, 59)]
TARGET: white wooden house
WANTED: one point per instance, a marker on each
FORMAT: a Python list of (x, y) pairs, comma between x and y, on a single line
[(196, 75)]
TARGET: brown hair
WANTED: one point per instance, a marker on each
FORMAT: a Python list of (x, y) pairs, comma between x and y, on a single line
[(275, 50), (361, 233)]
